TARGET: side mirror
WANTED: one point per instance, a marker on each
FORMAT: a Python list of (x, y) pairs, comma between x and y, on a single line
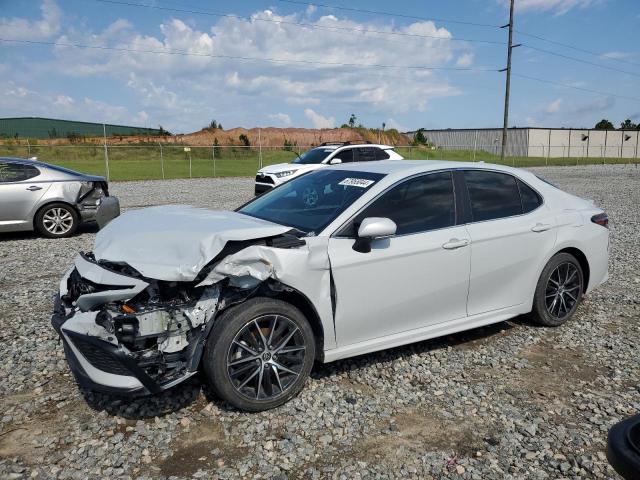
[(373, 228), (335, 161)]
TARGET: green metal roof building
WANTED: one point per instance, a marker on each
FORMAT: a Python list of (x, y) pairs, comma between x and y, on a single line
[(37, 127)]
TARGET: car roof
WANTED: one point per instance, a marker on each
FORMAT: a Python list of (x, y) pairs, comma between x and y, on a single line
[(22, 160), (402, 168), (336, 146), (55, 168)]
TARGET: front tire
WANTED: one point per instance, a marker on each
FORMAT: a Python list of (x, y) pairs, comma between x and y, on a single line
[(259, 354), (559, 291), (57, 220)]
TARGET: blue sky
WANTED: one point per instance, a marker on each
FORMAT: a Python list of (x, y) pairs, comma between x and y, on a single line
[(184, 92)]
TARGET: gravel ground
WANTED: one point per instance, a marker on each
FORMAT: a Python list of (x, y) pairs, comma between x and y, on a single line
[(507, 401)]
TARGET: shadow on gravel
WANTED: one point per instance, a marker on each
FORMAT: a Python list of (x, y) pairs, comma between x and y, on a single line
[(146, 407), (188, 393), (464, 340), (85, 228)]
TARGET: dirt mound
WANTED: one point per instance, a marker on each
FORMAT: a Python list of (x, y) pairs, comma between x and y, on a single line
[(267, 137)]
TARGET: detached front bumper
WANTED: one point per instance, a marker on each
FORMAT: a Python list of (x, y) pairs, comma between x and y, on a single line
[(101, 365)]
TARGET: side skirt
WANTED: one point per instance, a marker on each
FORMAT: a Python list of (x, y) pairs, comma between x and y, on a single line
[(425, 333)]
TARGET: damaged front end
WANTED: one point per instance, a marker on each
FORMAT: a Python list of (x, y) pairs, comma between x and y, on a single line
[(127, 334)]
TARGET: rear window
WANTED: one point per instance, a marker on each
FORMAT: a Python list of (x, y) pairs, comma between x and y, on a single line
[(493, 195), (381, 154), (530, 198)]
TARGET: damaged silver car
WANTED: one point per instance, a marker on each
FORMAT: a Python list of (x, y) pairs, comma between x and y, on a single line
[(50, 199), (383, 258)]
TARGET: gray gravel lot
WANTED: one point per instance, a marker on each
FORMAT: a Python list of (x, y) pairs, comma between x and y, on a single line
[(507, 401)]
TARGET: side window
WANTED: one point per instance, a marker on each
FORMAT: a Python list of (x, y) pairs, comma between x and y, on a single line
[(16, 172), (345, 155), (530, 198), (493, 195), (365, 154), (381, 154), (417, 205)]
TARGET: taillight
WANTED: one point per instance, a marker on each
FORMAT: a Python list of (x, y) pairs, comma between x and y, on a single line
[(601, 219)]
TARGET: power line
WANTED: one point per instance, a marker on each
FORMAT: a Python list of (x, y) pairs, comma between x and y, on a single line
[(300, 24), (574, 59), (389, 14), (243, 58), (573, 47), (599, 92)]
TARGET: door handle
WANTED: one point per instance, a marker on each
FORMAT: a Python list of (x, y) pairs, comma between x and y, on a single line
[(455, 243), (541, 227), (33, 188)]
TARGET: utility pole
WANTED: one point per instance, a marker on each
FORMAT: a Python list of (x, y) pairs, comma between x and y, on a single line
[(508, 82)]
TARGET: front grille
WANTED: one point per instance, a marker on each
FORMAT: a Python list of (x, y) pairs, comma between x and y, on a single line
[(100, 358), (264, 179)]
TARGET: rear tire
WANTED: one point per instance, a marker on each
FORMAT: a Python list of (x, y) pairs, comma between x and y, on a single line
[(259, 354), (559, 291), (57, 220)]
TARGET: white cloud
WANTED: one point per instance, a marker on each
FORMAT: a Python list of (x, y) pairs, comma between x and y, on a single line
[(319, 121), (282, 118), (22, 29), (17, 100), (616, 55), (298, 83), (465, 60), (392, 123), (553, 107), (183, 91), (560, 7)]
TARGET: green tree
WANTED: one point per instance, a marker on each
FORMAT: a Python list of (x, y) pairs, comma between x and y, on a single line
[(604, 124), (213, 125), (352, 120), (244, 139), (216, 148), (628, 125), (419, 138)]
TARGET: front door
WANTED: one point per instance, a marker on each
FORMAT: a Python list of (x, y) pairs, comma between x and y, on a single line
[(416, 278)]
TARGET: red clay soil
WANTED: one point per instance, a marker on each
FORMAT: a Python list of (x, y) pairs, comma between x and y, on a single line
[(269, 137)]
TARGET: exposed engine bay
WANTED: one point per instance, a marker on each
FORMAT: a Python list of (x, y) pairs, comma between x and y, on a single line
[(127, 333)]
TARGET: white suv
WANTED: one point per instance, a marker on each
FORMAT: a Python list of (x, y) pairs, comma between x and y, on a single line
[(326, 154)]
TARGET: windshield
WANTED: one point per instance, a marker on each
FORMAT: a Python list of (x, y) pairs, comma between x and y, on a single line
[(311, 202), (315, 155)]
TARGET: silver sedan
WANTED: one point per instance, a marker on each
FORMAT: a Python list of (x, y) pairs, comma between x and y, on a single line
[(50, 199)]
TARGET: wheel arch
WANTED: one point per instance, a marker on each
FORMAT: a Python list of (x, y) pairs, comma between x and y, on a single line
[(582, 260), (300, 301)]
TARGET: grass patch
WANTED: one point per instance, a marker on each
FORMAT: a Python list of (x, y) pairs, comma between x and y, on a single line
[(145, 163)]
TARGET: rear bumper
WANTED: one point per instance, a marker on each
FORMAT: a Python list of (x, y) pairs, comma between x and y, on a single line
[(623, 448)]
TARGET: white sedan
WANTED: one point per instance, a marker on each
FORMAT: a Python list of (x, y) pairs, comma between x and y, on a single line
[(395, 252)]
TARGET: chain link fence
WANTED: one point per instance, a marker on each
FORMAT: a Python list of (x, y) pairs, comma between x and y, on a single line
[(166, 161)]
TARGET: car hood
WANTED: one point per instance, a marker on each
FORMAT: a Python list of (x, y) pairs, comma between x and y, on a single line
[(174, 242), (282, 167)]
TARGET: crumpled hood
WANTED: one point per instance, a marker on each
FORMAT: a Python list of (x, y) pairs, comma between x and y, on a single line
[(174, 242)]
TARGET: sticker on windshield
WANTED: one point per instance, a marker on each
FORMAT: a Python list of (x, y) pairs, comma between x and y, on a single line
[(357, 182)]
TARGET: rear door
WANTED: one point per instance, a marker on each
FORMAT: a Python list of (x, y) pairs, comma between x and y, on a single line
[(20, 191), (511, 233)]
